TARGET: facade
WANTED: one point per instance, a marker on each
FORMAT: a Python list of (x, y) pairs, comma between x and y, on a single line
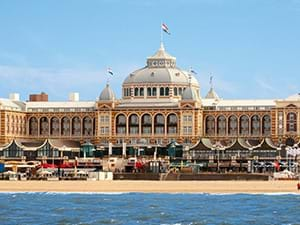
[(160, 104)]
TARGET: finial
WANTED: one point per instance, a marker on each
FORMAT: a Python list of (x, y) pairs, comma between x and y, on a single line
[(211, 81)]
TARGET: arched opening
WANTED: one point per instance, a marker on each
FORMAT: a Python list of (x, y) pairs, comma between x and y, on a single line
[(142, 91), (244, 125), (266, 125), (33, 126), (255, 125), (87, 126), (136, 91), (172, 124), (121, 124), (133, 124), (162, 91), (146, 124), (167, 90), (210, 125), (54, 126), (232, 125), (65, 126), (154, 91), (149, 91), (221, 126), (44, 126), (159, 124), (76, 126), (291, 123), (175, 91)]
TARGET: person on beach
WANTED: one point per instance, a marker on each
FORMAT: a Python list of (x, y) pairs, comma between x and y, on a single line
[(298, 186)]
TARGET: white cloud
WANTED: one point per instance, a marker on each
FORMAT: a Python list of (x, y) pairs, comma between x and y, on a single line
[(59, 82)]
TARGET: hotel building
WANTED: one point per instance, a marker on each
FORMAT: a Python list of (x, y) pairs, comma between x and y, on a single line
[(161, 107)]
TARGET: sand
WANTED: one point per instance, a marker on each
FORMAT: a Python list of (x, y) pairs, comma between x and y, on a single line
[(151, 186)]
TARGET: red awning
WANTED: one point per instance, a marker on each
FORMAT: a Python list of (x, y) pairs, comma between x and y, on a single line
[(48, 165)]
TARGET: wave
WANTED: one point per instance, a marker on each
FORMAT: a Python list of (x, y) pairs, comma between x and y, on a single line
[(146, 193)]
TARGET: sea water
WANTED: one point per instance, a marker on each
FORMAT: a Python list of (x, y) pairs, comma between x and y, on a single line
[(148, 208)]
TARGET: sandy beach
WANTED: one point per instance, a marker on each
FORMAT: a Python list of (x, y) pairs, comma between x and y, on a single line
[(151, 186)]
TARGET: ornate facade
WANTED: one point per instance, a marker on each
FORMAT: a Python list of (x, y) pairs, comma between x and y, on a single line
[(160, 104)]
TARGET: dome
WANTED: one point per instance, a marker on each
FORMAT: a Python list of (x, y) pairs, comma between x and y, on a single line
[(107, 94), (160, 75), (161, 68), (190, 94)]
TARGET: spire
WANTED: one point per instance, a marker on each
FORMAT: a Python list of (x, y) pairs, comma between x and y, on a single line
[(211, 93)]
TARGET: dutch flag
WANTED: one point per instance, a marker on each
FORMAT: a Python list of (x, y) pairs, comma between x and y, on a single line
[(109, 70), (165, 28)]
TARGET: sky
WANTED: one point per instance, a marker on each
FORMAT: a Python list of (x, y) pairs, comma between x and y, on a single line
[(250, 47)]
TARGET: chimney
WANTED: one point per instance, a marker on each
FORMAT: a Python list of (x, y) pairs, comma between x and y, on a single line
[(43, 97), (74, 97), (14, 96)]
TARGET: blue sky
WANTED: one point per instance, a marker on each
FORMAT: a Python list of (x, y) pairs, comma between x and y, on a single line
[(251, 47)]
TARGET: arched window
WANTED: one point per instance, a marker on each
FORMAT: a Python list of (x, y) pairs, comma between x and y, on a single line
[(162, 91), (172, 124), (266, 125), (146, 124), (33, 126), (244, 125), (154, 92), (255, 125), (291, 125), (121, 124), (149, 91), (44, 126), (159, 124), (232, 125), (76, 126), (54, 126), (133, 124), (221, 125), (141, 91), (167, 90), (210, 125), (136, 92), (175, 91), (65, 126), (180, 91), (87, 126)]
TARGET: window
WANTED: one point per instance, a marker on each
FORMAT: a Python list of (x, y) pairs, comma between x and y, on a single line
[(180, 91), (154, 92), (149, 92), (136, 92), (141, 91), (162, 91), (291, 122), (175, 91), (167, 91), (104, 130), (187, 130)]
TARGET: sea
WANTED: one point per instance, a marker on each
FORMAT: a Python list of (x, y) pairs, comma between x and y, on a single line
[(148, 208)]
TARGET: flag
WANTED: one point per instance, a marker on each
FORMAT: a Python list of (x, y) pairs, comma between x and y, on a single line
[(193, 71), (109, 70), (210, 80), (165, 28)]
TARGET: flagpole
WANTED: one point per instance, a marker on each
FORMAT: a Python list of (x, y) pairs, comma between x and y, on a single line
[(161, 34)]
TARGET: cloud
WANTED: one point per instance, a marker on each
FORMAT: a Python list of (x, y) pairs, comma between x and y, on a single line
[(59, 82)]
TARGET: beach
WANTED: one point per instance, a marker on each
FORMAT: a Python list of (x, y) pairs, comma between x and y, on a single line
[(152, 186)]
